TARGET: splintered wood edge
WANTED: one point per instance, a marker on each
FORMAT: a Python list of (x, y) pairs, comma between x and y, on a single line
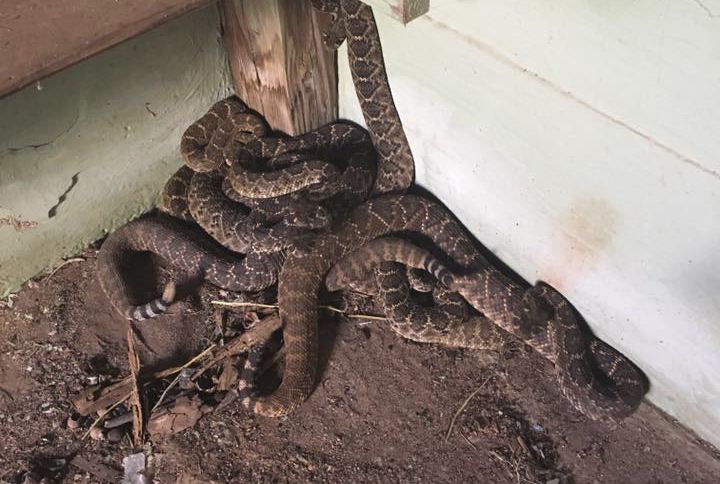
[(403, 10)]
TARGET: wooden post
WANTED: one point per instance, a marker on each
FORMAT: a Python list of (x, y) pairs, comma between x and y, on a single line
[(280, 65), (402, 10)]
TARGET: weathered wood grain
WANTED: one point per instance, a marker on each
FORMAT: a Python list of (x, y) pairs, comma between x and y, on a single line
[(38, 38), (280, 65)]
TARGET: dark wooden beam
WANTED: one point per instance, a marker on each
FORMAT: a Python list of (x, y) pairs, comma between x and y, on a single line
[(38, 38)]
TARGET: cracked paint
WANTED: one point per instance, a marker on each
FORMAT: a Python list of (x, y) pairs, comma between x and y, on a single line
[(73, 182), (43, 144)]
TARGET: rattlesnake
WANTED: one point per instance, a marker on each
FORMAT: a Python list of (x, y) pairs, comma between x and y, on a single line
[(380, 269), (353, 21), (174, 241), (229, 132), (218, 149), (281, 180), (539, 315), (360, 271), (594, 376)]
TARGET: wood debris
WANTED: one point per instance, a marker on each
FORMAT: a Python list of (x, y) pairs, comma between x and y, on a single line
[(177, 408)]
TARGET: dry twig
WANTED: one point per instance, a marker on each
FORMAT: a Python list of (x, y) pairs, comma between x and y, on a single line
[(462, 407), (63, 264), (257, 334), (99, 470), (241, 304), (91, 399), (180, 369), (135, 388), (469, 443)]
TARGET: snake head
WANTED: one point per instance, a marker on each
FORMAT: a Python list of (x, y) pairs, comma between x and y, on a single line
[(317, 218)]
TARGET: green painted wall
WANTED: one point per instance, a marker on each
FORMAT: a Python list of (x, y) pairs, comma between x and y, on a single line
[(105, 134)]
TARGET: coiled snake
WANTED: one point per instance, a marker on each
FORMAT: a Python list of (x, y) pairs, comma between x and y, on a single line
[(596, 379)]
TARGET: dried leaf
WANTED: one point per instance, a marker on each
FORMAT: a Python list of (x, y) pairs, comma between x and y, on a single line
[(178, 416)]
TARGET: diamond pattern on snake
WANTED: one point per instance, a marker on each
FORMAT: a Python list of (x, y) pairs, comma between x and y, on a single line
[(330, 207)]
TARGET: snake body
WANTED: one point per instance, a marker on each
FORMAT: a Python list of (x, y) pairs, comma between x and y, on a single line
[(262, 226), (302, 276), (199, 256), (353, 21), (594, 377), (539, 315)]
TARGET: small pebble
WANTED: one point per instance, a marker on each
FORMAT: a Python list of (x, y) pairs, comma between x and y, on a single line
[(30, 478), (96, 433), (116, 434), (553, 481), (74, 420)]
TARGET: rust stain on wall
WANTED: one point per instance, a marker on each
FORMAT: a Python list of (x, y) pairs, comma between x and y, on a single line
[(585, 231)]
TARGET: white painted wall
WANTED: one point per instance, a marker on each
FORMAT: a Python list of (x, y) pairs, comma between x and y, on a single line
[(580, 141)]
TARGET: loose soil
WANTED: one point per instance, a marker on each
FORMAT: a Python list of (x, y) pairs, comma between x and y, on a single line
[(381, 411)]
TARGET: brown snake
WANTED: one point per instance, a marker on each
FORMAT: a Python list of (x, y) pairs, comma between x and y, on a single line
[(539, 315), (595, 377), (261, 228), (352, 21)]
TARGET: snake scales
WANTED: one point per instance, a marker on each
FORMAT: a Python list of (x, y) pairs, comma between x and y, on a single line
[(221, 151), (595, 378)]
